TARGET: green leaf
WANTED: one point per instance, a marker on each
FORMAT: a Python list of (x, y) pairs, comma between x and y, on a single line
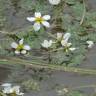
[(78, 10)]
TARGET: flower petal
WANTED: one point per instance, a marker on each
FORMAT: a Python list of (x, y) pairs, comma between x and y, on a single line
[(20, 94), (50, 43), (26, 47), (72, 49), (45, 44), (7, 90), (21, 41), (66, 36), (46, 17), (59, 35), (46, 24), (31, 19), (14, 45), (90, 44), (37, 14), (16, 89), (63, 43), (6, 85), (17, 52), (36, 26), (23, 52), (69, 44), (54, 2)]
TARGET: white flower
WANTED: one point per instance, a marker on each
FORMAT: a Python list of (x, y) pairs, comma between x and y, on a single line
[(90, 44), (8, 89), (67, 46), (47, 44), (16, 89), (63, 91), (20, 48), (54, 2), (65, 37), (38, 20)]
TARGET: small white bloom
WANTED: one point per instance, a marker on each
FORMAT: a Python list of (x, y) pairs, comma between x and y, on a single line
[(67, 46), (16, 89), (47, 44), (65, 37), (90, 44), (20, 48), (8, 89), (59, 36), (38, 20), (54, 2), (63, 91)]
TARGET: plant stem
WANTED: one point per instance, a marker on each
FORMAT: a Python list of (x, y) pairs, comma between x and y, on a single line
[(7, 33), (83, 15), (51, 35), (12, 60), (85, 86)]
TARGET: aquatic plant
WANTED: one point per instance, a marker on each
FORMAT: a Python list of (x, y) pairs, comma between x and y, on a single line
[(69, 16), (38, 19), (11, 91), (20, 48), (63, 45)]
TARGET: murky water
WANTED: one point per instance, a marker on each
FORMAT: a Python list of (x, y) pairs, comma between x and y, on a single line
[(90, 61), (49, 81), (4, 72)]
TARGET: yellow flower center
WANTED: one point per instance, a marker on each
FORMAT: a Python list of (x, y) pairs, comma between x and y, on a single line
[(13, 94), (66, 49), (20, 47), (39, 19)]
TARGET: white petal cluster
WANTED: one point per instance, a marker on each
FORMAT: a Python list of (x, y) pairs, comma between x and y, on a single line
[(90, 44), (9, 89), (47, 44), (39, 20), (20, 48), (54, 2), (63, 38)]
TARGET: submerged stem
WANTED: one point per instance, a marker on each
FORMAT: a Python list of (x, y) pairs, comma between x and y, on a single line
[(11, 60), (6, 33), (51, 35), (85, 86), (83, 15)]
